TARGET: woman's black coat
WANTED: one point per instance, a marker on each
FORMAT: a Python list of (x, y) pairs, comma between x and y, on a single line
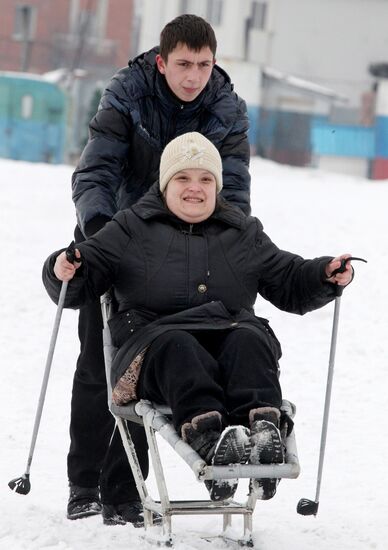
[(168, 274)]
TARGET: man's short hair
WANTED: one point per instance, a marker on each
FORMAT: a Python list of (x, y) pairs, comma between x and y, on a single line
[(191, 30)]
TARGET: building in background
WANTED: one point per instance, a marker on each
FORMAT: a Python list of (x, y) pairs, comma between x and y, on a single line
[(33, 115), (77, 44), (38, 36), (301, 65), (303, 68)]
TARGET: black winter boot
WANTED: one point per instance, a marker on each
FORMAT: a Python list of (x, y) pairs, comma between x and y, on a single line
[(128, 512), (83, 502), (232, 446), (267, 447), (202, 433)]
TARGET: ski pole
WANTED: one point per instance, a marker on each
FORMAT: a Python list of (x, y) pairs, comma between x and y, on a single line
[(308, 507), (22, 484)]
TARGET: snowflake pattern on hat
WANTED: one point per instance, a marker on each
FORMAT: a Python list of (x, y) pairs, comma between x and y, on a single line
[(191, 151)]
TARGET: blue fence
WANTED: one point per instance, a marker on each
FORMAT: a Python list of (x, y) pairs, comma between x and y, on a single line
[(32, 119), (300, 136), (343, 141), (382, 137), (254, 116)]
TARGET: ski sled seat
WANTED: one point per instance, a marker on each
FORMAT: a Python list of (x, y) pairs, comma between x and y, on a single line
[(157, 419)]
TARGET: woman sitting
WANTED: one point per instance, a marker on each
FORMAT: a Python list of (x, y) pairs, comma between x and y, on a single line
[(186, 268)]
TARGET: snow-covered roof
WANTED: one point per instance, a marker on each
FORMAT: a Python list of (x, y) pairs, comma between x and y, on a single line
[(59, 75), (302, 84), (54, 77), (18, 74)]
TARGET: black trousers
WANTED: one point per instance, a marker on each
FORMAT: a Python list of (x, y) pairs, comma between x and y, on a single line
[(96, 456), (228, 371)]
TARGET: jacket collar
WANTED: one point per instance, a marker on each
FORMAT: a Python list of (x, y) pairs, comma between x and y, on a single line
[(152, 206), (171, 102)]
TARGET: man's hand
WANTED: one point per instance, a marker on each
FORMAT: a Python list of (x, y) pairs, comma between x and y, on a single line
[(339, 278), (65, 270)]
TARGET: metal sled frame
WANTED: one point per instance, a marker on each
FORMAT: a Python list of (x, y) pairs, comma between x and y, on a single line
[(155, 418)]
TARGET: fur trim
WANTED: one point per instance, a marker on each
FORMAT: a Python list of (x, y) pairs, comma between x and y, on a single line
[(264, 413), (125, 389)]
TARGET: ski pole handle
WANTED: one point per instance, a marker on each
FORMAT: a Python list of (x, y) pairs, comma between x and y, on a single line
[(344, 261), (70, 253), (341, 269)]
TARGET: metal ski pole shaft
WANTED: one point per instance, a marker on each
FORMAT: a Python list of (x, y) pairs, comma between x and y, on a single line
[(307, 507), (49, 361), (329, 385), (22, 485)]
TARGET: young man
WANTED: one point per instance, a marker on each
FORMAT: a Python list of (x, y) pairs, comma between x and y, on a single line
[(163, 93)]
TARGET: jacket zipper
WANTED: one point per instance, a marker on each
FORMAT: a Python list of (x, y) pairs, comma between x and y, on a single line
[(171, 130), (188, 234)]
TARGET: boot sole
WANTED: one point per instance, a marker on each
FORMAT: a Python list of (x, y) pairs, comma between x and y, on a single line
[(119, 520), (266, 449), (233, 447), (84, 514)]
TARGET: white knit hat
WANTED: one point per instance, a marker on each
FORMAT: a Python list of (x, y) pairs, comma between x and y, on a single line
[(191, 150)]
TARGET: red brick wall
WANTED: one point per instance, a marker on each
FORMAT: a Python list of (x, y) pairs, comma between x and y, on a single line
[(47, 51), (379, 169), (52, 17), (119, 27)]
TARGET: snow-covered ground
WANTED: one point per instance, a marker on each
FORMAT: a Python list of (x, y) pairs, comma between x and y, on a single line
[(305, 211)]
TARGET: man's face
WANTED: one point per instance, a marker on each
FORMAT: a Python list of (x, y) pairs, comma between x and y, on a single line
[(187, 72)]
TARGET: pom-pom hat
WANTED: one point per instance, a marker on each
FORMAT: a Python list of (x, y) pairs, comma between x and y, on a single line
[(191, 150)]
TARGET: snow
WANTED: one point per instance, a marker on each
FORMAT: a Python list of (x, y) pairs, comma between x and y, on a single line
[(303, 210)]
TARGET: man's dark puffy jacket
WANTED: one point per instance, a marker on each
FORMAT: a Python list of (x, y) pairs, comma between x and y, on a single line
[(137, 116), (168, 273)]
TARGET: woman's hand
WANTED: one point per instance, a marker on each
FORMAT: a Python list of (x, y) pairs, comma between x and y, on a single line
[(65, 270), (343, 278)]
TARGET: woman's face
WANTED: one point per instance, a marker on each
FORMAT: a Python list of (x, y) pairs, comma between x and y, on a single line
[(191, 194)]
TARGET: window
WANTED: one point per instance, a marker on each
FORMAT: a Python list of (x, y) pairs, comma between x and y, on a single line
[(25, 22), (86, 23), (185, 6), (101, 18), (214, 12), (259, 15), (192, 6), (27, 106)]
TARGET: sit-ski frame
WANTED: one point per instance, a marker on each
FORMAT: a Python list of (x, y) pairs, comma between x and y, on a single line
[(155, 419)]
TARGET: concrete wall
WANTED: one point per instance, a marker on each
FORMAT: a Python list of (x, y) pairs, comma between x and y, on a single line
[(230, 34), (330, 42)]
